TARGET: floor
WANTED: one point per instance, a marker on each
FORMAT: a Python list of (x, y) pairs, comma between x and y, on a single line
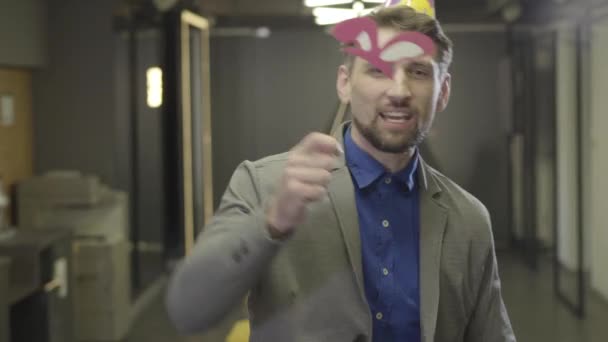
[(537, 315), (535, 312)]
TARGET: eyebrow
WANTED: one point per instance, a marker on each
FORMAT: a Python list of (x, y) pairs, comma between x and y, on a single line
[(420, 64)]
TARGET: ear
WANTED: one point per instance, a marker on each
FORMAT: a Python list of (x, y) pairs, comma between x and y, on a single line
[(343, 84), (444, 93)]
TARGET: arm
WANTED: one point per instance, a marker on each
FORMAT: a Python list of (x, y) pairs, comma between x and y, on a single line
[(236, 247), (489, 321), (227, 259)]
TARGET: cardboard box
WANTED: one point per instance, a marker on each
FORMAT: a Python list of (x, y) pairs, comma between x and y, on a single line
[(106, 220), (64, 188), (102, 290)]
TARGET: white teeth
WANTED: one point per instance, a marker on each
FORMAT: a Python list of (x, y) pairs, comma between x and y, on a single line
[(395, 115)]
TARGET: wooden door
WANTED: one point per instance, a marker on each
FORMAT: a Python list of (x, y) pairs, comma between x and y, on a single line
[(16, 133)]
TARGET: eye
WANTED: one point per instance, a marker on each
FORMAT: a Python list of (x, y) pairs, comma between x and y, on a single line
[(420, 72), (376, 72)]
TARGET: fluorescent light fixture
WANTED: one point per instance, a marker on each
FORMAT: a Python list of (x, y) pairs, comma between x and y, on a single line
[(317, 3), (333, 12), (374, 1), (366, 11), (154, 85), (334, 19)]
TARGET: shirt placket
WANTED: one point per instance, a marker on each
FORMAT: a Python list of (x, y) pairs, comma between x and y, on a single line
[(385, 253)]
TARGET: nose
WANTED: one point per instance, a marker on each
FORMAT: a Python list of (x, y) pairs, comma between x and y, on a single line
[(399, 93)]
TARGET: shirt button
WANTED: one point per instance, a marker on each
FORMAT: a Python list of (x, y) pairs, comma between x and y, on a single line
[(379, 316), (388, 180), (385, 271), (385, 224)]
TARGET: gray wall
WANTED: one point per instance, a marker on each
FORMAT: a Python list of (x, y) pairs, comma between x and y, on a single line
[(469, 139), (149, 120), (267, 94), (22, 33), (74, 108), (82, 105)]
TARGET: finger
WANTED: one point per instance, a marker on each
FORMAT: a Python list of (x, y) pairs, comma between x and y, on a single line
[(313, 193), (305, 192), (311, 176), (318, 142), (321, 161)]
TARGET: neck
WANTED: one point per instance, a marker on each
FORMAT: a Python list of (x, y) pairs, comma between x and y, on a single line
[(393, 162)]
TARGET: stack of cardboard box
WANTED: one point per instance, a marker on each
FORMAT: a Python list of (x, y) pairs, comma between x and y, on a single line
[(98, 218)]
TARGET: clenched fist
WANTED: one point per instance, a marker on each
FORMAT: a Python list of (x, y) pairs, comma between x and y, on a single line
[(304, 180)]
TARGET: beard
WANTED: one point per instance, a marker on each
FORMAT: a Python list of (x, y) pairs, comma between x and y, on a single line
[(390, 142)]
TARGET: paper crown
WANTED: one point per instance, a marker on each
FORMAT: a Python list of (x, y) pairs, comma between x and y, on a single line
[(422, 6)]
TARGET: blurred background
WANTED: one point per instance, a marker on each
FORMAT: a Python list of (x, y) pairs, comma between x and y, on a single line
[(121, 122)]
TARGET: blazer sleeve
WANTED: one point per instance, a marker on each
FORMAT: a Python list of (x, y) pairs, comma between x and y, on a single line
[(489, 321), (227, 259)]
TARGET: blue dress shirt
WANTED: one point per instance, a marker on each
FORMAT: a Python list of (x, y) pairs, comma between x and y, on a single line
[(389, 221)]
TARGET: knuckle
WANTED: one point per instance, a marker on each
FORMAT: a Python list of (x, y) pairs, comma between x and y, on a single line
[(292, 185), (292, 158), (326, 177), (328, 163), (310, 137), (320, 192), (315, 135), (289, 172)]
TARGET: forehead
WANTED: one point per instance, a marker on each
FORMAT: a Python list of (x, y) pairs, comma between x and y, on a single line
[(385, 34), (359, 62)]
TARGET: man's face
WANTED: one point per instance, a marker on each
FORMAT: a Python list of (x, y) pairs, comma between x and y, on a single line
[(393, 114)]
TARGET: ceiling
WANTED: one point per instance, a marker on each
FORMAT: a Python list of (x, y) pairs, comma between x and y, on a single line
[(282, 10), (296, 7), (293, 13)]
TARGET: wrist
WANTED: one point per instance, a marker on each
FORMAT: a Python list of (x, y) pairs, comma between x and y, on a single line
[(274, 230)]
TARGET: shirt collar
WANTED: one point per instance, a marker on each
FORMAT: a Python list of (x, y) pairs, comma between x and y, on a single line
[(366, 170)]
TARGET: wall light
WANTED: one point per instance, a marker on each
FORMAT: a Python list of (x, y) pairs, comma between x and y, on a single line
[(154, 86)]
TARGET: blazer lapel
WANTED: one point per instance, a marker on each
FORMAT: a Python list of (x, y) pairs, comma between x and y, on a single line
[(433, 218), (342, 194)]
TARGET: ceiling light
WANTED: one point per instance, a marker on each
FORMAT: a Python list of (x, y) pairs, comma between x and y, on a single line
[(317, 3), (366, 11), (333, 15), (333, 12), (374, 1), (358, 6), (330, 20)]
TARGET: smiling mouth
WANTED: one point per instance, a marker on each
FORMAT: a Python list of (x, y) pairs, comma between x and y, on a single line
[(396, 117)]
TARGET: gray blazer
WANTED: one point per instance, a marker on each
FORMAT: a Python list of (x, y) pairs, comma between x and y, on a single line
[(310, 287)]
